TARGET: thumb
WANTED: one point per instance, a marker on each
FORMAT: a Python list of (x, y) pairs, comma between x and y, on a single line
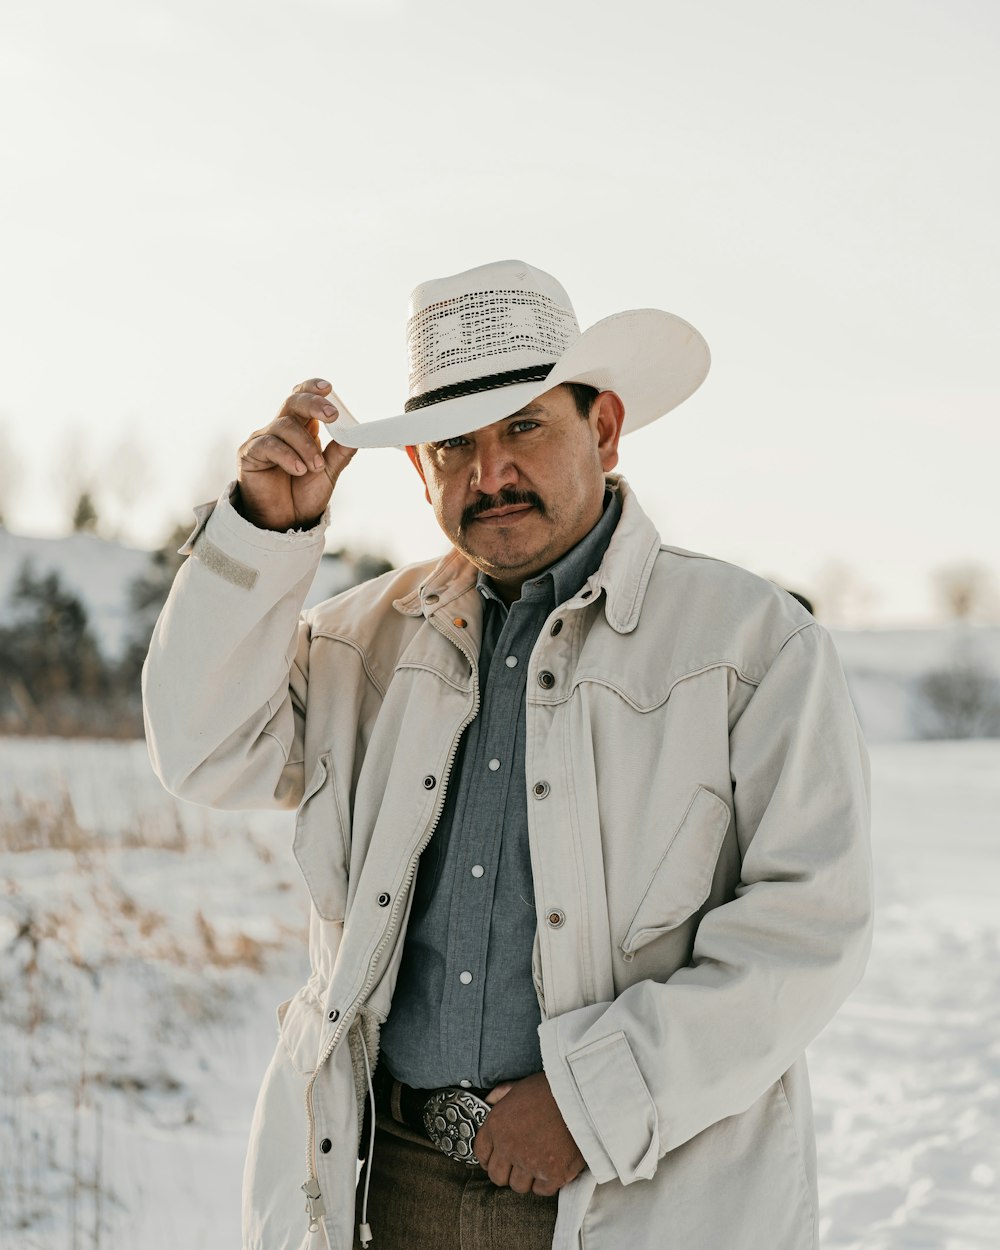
[(495, 1094), (336, 456)]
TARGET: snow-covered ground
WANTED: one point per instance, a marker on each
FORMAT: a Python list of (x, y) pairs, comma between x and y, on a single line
[(144, 944)]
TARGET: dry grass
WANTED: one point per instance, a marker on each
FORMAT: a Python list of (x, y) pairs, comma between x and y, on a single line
[(28, 823)]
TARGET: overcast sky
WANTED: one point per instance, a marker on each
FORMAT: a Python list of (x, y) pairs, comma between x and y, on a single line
[(204, 203)]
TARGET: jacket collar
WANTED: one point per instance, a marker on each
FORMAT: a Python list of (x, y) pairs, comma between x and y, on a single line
[(623, 574)]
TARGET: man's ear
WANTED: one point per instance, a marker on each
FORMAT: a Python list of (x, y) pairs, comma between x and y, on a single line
[(414, 455), (608, 415)]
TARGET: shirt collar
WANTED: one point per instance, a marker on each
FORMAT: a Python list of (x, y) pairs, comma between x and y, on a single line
[(563, 578), (624, 572)]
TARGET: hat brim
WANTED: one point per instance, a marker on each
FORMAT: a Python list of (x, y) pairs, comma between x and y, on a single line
[(651, 358)]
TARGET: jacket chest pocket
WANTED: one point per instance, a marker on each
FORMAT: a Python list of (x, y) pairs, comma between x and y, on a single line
[(322, 841), (682, 880)]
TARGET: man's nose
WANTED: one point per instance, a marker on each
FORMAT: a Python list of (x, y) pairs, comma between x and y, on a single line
[(493, 470)]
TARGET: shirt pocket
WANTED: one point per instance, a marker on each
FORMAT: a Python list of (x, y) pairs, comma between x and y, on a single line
[(322, 841), (682, 880)]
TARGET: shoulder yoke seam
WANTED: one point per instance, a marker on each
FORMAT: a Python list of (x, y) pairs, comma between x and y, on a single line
[(349, 642)]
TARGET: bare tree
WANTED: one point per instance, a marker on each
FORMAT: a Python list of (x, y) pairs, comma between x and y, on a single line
[(843, 597), (10, 474), (124, 480), (216, 467), (966, 590), (960, 701)]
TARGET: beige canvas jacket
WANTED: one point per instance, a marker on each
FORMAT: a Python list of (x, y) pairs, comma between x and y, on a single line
[(698, 820)]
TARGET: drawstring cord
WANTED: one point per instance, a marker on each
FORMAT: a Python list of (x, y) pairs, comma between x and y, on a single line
[(364, 1229)]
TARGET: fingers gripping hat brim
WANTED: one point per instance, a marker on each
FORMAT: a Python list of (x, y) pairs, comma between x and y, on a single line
[(653, 359)]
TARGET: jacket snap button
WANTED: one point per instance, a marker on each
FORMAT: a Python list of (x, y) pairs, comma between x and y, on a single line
[(546, 680), (460, 621), (333, 1015), (540, 789), (556, 919), (430, 782), (326, 1145), (556, 627), (431, 598), (383, 899)]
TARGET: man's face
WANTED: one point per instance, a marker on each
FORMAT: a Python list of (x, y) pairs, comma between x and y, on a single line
[(516, 495)]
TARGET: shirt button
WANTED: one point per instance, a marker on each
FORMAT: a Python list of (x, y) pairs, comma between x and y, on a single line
[(556, 918), (478, 870), (466, 1084), (511, 661), (546, 680), (465, 978), (493, 765), (540, 789)]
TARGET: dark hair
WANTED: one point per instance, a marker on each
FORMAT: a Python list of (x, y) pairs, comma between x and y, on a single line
[(583, 396)]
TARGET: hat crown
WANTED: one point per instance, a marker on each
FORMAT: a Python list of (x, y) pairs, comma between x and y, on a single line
[(495, 319)]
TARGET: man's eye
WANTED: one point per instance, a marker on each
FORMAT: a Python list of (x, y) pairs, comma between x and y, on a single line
[(447, 444), (522, 426)]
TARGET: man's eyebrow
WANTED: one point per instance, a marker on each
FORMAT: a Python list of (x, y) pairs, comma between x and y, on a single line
[(529, 410)]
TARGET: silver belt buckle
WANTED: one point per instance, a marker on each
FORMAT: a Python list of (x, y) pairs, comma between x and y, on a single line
[(452, 1118)]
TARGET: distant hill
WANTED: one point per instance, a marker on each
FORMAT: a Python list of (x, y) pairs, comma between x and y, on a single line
[(99, 571), (885, 668)]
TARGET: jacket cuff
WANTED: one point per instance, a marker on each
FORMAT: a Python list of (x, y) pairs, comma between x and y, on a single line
[(230, 547), (602, 1095), (230, 522)]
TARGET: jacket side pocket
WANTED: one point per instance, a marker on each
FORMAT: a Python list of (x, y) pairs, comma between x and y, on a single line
[(321, 842), (682, 879), (301, 1030)]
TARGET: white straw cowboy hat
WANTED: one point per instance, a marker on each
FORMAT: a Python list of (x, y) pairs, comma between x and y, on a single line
[(486, 342)]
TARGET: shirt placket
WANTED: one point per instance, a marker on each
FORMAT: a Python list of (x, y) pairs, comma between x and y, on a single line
[(494, 757)]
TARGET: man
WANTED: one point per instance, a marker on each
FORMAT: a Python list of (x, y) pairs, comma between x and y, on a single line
[(583, 817)]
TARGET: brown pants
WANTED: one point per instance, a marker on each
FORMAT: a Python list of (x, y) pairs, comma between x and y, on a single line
[(419, 1199)]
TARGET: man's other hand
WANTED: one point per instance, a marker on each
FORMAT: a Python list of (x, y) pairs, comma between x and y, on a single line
[(285, 479), (524, 1142)]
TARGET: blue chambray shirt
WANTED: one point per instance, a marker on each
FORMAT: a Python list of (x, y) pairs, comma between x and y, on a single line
[(464, 1011)]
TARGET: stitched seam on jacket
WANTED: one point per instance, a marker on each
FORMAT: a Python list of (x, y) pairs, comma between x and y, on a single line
[(798, 630), (322, 633), (266, 733), (806, 1190), (429, 668), (639, 707), (659, 864)]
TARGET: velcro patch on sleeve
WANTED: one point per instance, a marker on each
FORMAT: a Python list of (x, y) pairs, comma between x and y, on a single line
[(225, 566)]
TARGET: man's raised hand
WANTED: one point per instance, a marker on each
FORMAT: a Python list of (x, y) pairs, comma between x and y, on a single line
[(285, 478)]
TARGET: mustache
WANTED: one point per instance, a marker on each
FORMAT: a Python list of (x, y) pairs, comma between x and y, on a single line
[(506, 499)]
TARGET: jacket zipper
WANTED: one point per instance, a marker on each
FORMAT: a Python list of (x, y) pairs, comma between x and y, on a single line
[(315, 1207)]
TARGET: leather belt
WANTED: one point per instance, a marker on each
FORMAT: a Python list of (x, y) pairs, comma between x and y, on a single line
[(449, 1118)]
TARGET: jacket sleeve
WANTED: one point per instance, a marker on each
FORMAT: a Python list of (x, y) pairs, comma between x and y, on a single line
[(637, 1077), (224, 683)]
